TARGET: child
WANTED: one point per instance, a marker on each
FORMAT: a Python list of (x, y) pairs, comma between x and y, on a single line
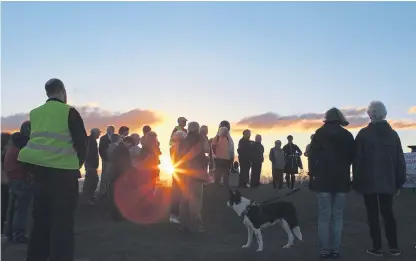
[(235, 174)]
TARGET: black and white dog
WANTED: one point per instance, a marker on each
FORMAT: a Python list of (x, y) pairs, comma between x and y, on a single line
[(259, 216)]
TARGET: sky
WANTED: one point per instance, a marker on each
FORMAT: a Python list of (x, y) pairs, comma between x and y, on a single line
[(273, 67)]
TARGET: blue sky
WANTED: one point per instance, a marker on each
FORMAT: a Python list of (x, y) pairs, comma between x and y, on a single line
[(194, 58)]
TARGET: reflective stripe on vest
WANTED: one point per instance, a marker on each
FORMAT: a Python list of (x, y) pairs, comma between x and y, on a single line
[(52, 135), (66, 151)]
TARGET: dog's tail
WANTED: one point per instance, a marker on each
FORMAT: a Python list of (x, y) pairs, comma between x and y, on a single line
[(297, 233)]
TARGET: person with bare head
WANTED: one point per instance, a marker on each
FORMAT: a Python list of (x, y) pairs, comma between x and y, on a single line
[(91, 167), (177, 138), (123, 131), (146, 129), (220, 149), (277, 157), (293, 161), (20, 187), (257, 161), (149, 158), (54, 155), (308, 147), (103, 147), (135, 149), (330, 157), (244, 157), (192, 150), (379, 172)]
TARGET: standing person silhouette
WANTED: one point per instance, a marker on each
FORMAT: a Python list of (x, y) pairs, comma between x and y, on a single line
[(54, 154), (292, 154)]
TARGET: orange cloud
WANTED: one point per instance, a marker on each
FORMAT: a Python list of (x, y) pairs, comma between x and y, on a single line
[(412, 110), (312, 121), (95, 117)]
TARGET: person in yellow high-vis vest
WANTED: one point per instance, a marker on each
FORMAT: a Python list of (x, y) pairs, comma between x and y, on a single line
[(181, 127), (54, 155)]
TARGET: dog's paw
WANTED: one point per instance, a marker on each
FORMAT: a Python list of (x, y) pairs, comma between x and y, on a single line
[(259, 250), (245, 246), (287, 246)]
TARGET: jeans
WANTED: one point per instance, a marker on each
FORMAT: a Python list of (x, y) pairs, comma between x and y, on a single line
[(54, 204), (383, 204), (20, 197), (330, 221)]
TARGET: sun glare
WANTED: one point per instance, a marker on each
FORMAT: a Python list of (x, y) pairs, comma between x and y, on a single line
[(165, 166)]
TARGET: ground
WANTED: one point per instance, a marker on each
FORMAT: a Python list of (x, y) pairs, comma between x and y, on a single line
[(99, 239)]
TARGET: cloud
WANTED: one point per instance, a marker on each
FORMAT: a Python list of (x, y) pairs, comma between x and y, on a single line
[(311, 121), (94, 117), (412, 110)]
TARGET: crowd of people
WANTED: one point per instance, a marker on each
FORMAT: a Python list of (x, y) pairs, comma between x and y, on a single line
[(42, 163)]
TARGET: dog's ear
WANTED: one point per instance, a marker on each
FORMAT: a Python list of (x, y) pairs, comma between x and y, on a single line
[(237, 193), (230, 191)]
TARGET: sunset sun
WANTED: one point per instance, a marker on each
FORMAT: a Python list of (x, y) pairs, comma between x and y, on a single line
[(166, 167)]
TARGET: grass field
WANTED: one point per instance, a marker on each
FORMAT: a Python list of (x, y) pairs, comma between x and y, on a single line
[(100, 239)]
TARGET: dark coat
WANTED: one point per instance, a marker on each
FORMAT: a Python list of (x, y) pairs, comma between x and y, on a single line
[(191, 152), (105, 142), (292, 158), (92, 159), (244, 150), (379, 166), (330, 157), (257, 152)]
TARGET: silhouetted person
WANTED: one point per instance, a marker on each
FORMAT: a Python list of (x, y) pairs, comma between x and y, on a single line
[(91, 166), (277, 157), (257, 161), (244, 157), (54, 154), (331, 153), (379, 171), (292, 153)]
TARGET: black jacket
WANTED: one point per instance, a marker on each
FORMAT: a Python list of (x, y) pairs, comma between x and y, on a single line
[(330, 158), (379, 166), (105, 142), (244, 149), (257, 151), (92, 154)]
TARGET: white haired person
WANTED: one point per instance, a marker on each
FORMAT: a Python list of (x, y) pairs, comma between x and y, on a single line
[(379, 171), (192, 153), (220, 149), (177, 138), (331, 154)]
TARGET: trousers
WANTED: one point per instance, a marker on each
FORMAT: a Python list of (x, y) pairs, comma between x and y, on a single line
[(54, 204)]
